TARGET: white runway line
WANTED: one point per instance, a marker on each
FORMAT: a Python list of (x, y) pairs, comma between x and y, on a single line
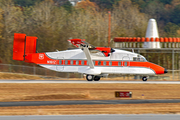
[(89, 82)]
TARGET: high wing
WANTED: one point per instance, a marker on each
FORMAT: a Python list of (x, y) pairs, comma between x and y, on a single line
[(91, 70), (81, 42), (86, 47)]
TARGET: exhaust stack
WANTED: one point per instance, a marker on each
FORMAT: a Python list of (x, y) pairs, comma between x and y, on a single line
[(152, 33)]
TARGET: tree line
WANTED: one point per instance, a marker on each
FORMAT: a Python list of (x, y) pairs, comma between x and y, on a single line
[(56, 21)]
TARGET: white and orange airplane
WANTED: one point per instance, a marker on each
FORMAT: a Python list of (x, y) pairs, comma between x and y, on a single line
[(94, 62)]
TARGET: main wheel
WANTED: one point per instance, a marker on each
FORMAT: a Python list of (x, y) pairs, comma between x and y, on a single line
[(89, 77), (97, 78), (144, 78)]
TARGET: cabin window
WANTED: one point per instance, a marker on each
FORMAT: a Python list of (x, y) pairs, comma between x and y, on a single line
[(77, 62), (66, 62), (110, 63), (125, 63), (82, 62), (119, 63), (94, 62), (71, 62), (141, 59), (104, 63), (99, 62), (60, 62)]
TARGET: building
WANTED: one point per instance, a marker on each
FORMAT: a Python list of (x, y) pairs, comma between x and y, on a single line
[(74, 2)]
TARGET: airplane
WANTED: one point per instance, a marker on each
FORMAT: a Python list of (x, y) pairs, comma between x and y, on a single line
[(94, 62)]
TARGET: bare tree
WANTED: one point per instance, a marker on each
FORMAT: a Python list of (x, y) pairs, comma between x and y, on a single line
[(127, 20)]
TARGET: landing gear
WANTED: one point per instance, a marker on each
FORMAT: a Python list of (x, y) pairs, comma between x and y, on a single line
[(97, 78), (92, 77), (89, 77), (144, 78)]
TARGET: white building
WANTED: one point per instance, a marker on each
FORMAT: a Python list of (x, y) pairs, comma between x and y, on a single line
[(74, 2)]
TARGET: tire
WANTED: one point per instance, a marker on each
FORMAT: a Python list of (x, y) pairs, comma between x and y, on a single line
[(97, 78), (144, 78), (89, 77)]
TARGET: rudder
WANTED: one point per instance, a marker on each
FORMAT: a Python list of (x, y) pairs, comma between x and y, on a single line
[(23, 45)]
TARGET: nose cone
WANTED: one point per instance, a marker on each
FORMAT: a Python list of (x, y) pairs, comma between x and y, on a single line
[(165, 71)]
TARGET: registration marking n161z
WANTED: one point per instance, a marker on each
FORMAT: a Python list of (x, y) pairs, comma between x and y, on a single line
[(51, 61)]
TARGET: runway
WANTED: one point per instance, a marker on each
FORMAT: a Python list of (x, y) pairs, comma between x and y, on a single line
[(94, 117), (84, 102), (89, 82)]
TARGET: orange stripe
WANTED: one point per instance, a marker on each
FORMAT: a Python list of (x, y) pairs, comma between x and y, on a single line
[(41, 58)]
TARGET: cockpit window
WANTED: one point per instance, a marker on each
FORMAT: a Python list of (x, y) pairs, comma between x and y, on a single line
[(139, 58)]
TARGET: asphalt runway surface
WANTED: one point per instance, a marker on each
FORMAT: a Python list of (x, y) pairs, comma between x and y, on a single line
[(84, 102), (94, 117), (89, 102), (89, 82)]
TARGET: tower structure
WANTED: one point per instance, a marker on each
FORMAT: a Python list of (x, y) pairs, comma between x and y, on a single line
[(152, 34)]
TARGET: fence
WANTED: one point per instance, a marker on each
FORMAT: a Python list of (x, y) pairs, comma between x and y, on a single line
[(34, 70)]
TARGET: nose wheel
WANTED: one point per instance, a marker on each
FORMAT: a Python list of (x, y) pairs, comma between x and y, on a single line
[(92, 77), (144, 78)]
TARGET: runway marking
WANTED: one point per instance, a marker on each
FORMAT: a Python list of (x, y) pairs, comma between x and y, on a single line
[(92, 82)]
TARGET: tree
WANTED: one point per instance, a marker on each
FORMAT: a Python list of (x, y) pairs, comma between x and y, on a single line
[(47, 23), (175, 15), (1, 24), (12, 23), (68, 6), (155, 10), (60, 2), (105, 4), (128, 20), (1, 37), (87, 5), (171, 29), (175, 2), (166, 1), (24, 3)]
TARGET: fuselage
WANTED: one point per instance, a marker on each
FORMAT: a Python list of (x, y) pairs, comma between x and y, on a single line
[(119, 62)]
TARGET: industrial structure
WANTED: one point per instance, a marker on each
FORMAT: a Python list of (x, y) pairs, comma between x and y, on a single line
[(162, 51), (150, 41)]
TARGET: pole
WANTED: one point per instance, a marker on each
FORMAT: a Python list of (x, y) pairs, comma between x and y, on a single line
[(109, 29), (173, 63)]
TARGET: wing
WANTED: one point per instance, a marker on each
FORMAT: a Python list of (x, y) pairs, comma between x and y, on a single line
[(81, 43), (91, 69)]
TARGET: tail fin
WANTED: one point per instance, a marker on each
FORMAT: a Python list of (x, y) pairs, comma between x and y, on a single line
[(23, 45)]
